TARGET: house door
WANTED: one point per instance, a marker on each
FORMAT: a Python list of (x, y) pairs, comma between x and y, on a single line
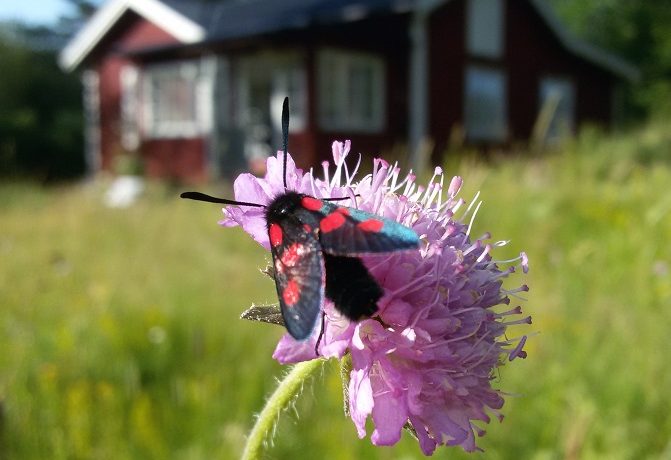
[(264, 81)]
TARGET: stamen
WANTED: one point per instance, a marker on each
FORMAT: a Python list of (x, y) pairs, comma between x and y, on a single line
[(518, 352), (455, 186), (526, 320), (475, 213), (473, 201), (325, 167)]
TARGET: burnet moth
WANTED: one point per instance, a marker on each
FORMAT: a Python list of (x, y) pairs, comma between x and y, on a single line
[(316, 245)]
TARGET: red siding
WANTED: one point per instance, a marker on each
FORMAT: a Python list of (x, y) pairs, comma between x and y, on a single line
[(365, 35), (533, 52), (446, 72), (132, 32), (110, 93), (175, 159)]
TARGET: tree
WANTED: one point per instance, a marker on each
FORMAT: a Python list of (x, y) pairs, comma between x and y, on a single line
[(41, 123), (637, 30), (41, 118)]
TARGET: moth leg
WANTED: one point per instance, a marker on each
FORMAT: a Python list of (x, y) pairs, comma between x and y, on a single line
[(321, 333)]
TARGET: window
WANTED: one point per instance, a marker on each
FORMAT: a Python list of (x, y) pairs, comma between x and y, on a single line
[(351, 91), (484, 30), (289, 80), (485, 105), (263, 81), (557, 107), (171, 100)]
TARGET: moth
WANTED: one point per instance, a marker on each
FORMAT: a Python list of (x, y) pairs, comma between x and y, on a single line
[(316, 247)]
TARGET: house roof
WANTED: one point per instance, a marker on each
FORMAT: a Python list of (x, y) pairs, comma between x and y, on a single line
[(157, 11), (234, 19), (194, 21)]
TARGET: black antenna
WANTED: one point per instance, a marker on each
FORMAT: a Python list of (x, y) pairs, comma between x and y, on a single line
[(213, 199), (285, 137)]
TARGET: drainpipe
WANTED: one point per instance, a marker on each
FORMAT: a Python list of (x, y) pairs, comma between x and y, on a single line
[(418, 91)]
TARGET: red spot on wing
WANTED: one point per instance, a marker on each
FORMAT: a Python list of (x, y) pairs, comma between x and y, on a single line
[(331, 222), (307, 228), (275, 234), (311, 204), (371, 225), (291, 293), (343, 211), (292, 254)]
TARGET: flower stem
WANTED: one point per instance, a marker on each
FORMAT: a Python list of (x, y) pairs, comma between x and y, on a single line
[(280, 399)]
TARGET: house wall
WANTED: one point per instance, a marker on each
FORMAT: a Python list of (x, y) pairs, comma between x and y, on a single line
[(447, 59), (531, 51), (392, 45), (175, 159), (110, 94), (161, 157)]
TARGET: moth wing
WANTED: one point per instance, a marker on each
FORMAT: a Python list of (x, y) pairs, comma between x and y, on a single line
[(299, 276), (352, 232)]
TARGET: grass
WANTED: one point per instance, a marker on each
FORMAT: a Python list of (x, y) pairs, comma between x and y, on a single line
[(120, 337)]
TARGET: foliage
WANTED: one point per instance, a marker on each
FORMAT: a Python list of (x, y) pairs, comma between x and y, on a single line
[(636, 30), (41, 118), (121, 339)]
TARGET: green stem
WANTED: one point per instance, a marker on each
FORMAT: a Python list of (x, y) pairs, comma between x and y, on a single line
[(280, 399)]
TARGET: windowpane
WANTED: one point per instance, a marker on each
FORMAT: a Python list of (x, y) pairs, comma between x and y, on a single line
[(557, 97), (171, 97), (484, 34), (485, 110), (351, 91)]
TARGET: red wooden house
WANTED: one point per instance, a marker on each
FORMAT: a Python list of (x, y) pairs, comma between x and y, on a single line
[(195, 86)]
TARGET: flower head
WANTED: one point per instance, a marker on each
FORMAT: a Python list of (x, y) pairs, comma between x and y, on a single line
[(426, 358)]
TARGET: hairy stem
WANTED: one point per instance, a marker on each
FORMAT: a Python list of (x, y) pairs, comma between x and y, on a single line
[(280, 399)]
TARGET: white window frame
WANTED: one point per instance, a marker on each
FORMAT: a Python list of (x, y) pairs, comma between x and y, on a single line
[(187, 127), (337, 106), (130, 104), (91, 98), (481, 82), (485, 28), (563, 110)]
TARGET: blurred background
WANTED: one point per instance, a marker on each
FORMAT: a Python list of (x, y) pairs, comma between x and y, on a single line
[(120, 334)]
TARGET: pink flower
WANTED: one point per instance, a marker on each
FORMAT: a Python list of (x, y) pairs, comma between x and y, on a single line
[(427, 357)]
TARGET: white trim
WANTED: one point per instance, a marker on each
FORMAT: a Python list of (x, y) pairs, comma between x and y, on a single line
[(91, 96), (179, 26), (129, 107)]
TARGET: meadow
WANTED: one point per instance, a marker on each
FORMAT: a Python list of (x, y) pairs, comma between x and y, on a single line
[(120, 335)]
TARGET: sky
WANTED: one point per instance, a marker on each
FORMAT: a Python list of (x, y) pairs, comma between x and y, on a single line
[(33, 11)]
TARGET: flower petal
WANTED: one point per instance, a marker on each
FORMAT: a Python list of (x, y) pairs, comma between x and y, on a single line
[(291, 351), (360, 399), (390, 413)]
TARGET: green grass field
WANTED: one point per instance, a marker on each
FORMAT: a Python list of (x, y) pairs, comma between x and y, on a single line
[(120, 337)]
